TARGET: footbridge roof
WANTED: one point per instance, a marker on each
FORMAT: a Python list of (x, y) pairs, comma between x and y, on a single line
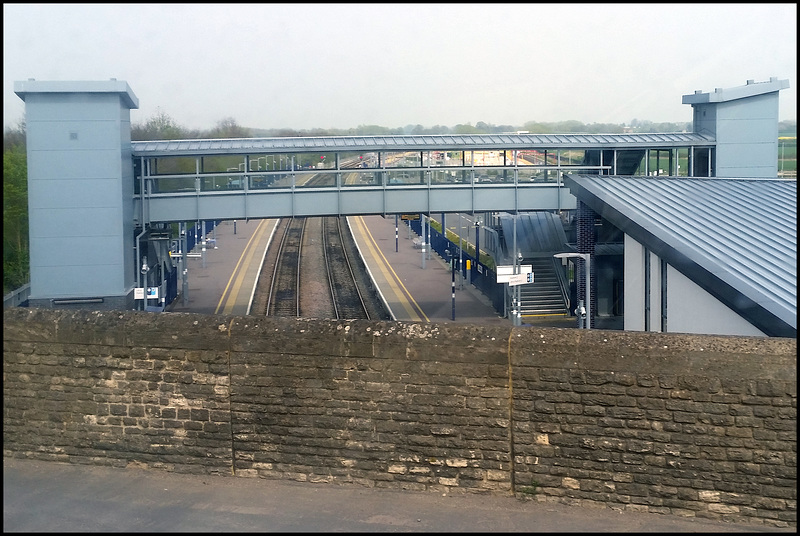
[(458, 142)]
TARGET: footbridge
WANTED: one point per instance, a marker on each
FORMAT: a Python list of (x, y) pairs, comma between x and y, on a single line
[(221, 179)]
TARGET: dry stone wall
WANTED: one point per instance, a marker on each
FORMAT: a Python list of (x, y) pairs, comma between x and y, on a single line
[(681, 424)]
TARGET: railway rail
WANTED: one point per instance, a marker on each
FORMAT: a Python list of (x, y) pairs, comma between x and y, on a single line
[(315, 271), (283, 298), (345, 294)]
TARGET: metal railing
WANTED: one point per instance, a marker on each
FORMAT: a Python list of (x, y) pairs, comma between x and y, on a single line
[(18, 297)]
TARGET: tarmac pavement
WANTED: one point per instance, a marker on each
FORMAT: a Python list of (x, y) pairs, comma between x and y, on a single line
[(57, 497)]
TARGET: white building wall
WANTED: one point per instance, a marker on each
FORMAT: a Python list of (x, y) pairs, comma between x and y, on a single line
[(744, 121), (633, 296), (690, 309), (747, 137), (655, 292)]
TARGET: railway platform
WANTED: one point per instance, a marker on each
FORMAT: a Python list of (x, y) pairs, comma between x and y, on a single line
[(223, 279), (413, 291)]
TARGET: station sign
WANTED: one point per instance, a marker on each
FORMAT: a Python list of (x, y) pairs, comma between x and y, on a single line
[(414, 217), (504, 271)]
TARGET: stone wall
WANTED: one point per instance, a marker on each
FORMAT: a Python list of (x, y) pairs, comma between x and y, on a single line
[(681, 424)]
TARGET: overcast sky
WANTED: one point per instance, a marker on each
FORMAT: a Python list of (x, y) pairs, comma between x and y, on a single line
[(304, 66)]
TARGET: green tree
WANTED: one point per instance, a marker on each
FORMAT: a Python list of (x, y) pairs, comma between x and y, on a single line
[(14, 137), (229, 128), (159, 127), (371, 130), (787, 128), (465, 129), (16, 252), (535, 127)]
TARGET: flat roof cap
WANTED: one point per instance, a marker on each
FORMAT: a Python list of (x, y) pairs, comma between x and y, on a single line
[(751, 89), (92, 86)]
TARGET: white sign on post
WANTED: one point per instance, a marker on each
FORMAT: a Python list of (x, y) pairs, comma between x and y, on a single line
[(504, 271)]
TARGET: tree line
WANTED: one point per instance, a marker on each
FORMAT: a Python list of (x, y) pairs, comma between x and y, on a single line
[(16, 267), (16, 253), (162, 127)]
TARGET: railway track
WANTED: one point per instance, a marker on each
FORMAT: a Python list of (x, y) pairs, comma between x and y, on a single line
[(314, 271), (283, 298), (345, 295)]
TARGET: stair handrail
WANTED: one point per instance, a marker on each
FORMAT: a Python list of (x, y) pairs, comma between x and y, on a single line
[(562, 280)]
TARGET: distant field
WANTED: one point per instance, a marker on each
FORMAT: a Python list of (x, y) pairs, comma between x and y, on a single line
[(787, 155)]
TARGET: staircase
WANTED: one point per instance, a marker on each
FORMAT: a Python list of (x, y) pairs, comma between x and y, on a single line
[(539, 235), (543, 297)]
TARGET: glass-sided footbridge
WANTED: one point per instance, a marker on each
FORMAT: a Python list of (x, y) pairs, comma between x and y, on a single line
[(252, 178)]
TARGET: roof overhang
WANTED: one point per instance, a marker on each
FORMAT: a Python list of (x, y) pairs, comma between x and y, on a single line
[(752, 89), (22, 89), (773, 316)]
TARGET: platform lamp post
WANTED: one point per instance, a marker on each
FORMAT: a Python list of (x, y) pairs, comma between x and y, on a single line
[(587, 257)]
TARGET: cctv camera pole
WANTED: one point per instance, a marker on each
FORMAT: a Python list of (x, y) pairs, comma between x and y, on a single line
[(428, 231), (477, 244), (422, 235), (185, 266), (203, 242), (588, 268)]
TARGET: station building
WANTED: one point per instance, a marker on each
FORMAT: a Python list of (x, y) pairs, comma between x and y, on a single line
[(709, 248)]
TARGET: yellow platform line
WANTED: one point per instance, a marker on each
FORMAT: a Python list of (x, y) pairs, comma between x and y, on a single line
[(238, 277), (395, 284)]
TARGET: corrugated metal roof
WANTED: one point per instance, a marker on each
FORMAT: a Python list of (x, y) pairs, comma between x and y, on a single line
[(737, 238), (420, 143), (538, 233)]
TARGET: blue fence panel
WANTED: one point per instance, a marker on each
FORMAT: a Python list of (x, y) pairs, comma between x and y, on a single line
[(172, 286), (191, 234), (483, 277)]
